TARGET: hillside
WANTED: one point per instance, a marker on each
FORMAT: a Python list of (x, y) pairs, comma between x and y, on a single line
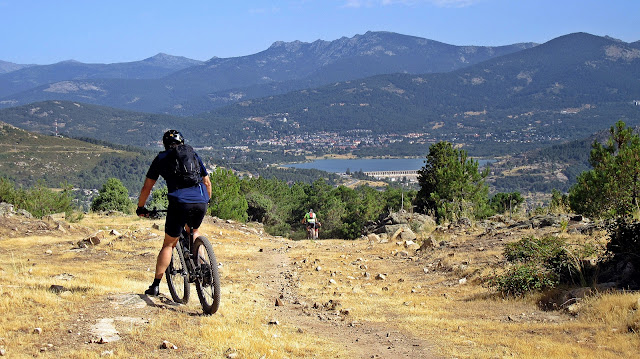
[(22, 79), (567, 88), (305, 298), (6, 67), (281, 68), (27, 157), (113, 125)]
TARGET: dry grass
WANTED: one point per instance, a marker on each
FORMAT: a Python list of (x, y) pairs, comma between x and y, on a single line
[(460, 320)]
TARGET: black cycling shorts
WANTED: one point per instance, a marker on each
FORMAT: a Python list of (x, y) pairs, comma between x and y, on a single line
[(179, 214)]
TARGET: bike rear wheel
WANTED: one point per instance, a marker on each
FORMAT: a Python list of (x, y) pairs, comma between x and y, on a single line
[(177, 276), (208, 279)]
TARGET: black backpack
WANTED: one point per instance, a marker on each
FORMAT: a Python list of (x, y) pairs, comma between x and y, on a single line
[(184, 166)]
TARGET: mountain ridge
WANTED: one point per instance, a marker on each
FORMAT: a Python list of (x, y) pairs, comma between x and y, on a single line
[(296, 64)]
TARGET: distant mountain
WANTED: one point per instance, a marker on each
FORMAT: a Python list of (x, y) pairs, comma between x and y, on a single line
[(635, 44), (6, 67), (281, 68), (31, 77), (569, 86), (114, 125)]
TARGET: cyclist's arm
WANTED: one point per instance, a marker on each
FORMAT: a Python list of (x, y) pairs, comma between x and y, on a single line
[(207, 183), (146, 191)]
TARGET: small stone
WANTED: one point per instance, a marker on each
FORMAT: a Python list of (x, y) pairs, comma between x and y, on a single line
[(462, 281), (37, 330), (274, 322), (332, 281), (2, 352), (113, 232), (425, 270), (366, 275), (318, 269), (381, 276), (157, 227), (49, 251), (107, 353), (168, 345), (300, 330), (279, 302)]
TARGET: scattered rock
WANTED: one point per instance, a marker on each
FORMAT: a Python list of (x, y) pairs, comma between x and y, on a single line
[(462, 281), (168, 345), (274, 322), (408, 236), (402, 254), (318, 269), (381, 276), (48, 252), (37, 330), (332, 281), (157, 227), (231, 353), (428, 244), (113, 232), (279, 302), (2, 352), (57, 288)]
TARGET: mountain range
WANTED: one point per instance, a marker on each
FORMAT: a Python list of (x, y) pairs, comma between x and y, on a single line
[(566, 88), (188, 87)]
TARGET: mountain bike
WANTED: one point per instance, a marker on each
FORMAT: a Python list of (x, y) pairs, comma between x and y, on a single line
[(193, 261), (311, 230)]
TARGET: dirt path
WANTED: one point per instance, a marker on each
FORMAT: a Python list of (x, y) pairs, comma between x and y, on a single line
[(362, 339)]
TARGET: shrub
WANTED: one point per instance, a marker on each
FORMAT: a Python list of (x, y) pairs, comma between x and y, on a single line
[(524, 278), (113, 196), (540, 263), (37, 200)]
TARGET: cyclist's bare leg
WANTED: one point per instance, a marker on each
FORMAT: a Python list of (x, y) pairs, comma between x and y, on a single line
[(164, 257)]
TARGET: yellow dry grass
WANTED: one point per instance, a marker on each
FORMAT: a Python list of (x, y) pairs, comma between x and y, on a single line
[(459, 320)]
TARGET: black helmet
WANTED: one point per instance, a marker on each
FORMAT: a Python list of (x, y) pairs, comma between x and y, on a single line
[(172, 137)]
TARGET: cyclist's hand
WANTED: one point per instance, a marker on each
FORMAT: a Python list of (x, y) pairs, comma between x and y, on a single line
[(142, 212)]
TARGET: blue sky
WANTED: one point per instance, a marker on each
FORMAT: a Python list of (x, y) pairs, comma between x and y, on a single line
[(108, 31)]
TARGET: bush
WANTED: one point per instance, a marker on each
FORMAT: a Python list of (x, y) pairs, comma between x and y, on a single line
[(524, 278), (37, 200), (113, 196), (540, 263)]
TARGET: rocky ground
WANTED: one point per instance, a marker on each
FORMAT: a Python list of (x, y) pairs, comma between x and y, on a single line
[(320, 289)]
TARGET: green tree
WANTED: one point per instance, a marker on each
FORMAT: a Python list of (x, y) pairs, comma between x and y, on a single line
[(502, 202), (612, 187), (112, 197), (450, 184), (159, 198), (226, 200)]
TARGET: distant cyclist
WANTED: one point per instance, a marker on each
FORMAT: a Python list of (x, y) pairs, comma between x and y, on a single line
[(312, 223), (189, 190)]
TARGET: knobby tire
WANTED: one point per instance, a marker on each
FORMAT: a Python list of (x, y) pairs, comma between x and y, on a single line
[(177, 277), (208, 283)]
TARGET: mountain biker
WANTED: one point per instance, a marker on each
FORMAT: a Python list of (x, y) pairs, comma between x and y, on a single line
[(311, 221), (188, 202)]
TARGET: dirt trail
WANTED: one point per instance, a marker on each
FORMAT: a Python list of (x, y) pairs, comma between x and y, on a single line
[(362, 339)]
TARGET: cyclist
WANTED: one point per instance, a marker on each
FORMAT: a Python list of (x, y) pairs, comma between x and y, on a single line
[(312, 223), (188, 198)]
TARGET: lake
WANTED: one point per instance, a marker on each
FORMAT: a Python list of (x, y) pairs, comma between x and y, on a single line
[(368, 164)]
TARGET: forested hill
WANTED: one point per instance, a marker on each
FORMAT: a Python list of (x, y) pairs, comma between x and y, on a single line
[(569, 87), (27, 157), (116, 126), (280, 68)]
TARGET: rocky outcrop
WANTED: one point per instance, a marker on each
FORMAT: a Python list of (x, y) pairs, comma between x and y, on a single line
[(400, 224)]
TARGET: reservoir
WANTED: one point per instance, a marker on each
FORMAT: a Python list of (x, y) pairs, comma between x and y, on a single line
[(368, 164)]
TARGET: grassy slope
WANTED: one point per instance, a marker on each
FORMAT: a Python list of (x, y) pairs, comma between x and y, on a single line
[(451, 319), (26, 157)]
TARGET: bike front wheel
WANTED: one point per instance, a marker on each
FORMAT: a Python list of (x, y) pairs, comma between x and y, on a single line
[(177, 276), (208, 279)]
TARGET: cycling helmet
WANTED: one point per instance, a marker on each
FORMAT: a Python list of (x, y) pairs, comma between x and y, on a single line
[(172, 137)]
